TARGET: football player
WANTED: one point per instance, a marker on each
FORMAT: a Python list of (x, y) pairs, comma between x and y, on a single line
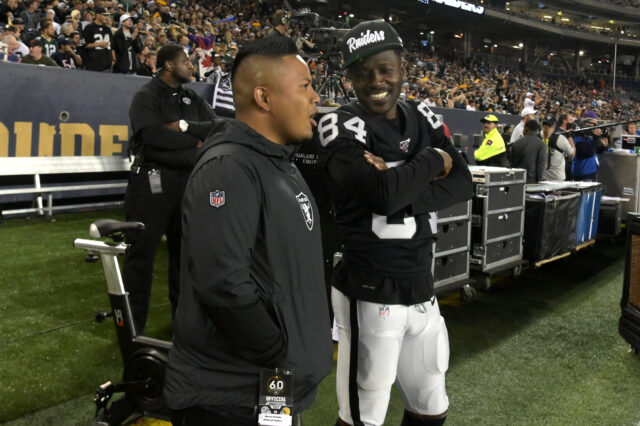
[(389, 324)]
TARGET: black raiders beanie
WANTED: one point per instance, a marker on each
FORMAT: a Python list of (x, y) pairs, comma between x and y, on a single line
[(368, 38)]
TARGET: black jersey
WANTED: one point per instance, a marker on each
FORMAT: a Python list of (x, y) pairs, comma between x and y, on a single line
[(97, 58), (386, 217)]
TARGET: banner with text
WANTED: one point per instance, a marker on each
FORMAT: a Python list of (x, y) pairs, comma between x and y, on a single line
[(50, 111)]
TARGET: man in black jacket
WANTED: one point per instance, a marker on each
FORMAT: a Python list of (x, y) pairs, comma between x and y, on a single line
[(389, 324), (252, 289), (126, 46), (530, 152), (165, 154)]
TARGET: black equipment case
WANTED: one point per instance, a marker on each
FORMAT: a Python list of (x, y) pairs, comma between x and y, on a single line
[(629, 324)]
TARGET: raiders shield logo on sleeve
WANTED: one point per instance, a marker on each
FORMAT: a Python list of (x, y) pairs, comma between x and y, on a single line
[(307, 210)]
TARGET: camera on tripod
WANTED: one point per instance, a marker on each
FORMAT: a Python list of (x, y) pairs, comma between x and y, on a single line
[(326, 47)]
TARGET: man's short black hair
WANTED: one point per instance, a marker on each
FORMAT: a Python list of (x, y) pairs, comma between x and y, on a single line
[(168, 53), (272, 47), (531, 126)]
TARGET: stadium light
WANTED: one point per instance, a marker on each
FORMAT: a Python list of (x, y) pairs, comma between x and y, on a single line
[(581, 52)]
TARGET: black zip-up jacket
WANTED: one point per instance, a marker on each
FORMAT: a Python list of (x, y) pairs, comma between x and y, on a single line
[(252, 286)]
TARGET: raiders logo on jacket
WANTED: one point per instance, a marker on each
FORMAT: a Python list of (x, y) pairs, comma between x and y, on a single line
[(385, 217)]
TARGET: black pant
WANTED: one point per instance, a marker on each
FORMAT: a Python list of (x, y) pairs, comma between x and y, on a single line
[(197, 416), (161, 214)]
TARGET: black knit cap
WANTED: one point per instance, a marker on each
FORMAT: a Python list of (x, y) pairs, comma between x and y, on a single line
[(368, 38)]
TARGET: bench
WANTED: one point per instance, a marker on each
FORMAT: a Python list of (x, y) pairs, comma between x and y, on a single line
[(78, 176)]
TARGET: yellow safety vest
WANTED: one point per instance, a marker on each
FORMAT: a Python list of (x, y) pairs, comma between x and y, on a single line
[(492, 145)]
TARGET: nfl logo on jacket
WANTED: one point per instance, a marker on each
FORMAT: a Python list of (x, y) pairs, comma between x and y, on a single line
[(216, 198)]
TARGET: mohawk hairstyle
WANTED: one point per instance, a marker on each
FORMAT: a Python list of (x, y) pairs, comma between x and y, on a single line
[(271, 47)]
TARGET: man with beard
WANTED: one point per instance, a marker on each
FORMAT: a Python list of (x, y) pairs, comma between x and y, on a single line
[(164, 155), (389, 324)]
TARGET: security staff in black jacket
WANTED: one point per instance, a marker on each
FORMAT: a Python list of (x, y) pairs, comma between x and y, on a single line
[(252, 285), (165, 153)]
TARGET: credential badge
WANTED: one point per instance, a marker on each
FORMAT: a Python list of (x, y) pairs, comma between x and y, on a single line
[(307, 210), (186, 100), (216, 198)]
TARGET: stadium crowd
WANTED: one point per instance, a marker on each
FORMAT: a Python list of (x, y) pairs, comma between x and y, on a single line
[(454, 82), (105, 35)]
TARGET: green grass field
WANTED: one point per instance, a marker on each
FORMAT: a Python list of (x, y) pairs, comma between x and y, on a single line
[(542, 349)]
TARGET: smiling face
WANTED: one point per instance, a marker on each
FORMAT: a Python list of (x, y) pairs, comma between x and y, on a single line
[(377, 81)]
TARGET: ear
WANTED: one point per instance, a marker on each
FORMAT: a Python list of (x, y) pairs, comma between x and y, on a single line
[(262, 98)]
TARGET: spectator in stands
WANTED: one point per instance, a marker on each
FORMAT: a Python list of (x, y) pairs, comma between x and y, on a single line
[(186, 45), (280, 23), (66, 57), (120, 10), (36, 57), (148, 66), (21, 50), (506, 132), (65, 30), (527, 114), (492, 151), (588, 145), (88, 19), (31, 15), (530, 152), (12, 45), (558, 148), (163, 39), (51, 16), (10, 11), (630, 142), (18, 29), (97, 38), (47, 38), (76, 45), (61, 12), (528, 101), (126, 47)]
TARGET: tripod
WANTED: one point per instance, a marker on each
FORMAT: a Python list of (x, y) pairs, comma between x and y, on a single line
[(331, 85)]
